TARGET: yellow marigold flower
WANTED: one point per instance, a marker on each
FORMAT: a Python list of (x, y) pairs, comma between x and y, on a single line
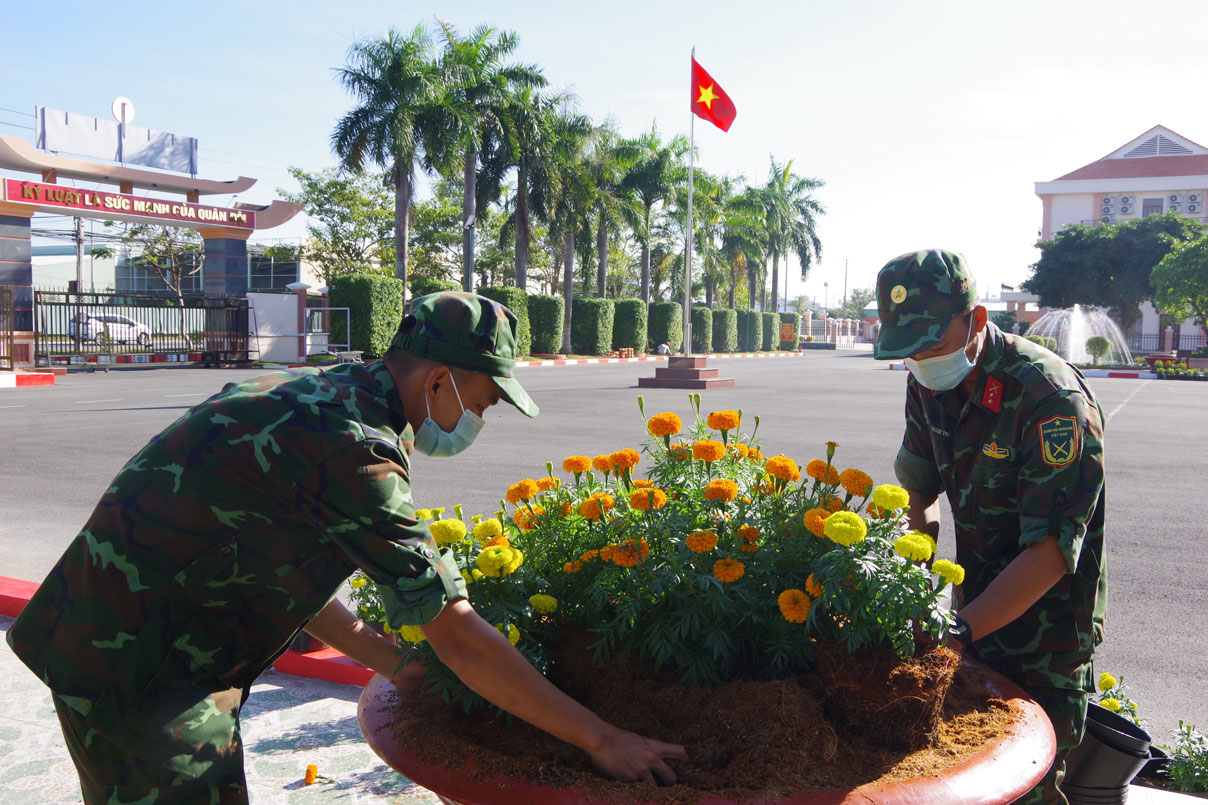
[(595, 506), (623, 460), (701, 541), (488, 529), (572, 567), (912, 546), (813, 587), (1111, 704), (446, 532), (821, 471), (522, 490), (499, 560), (891, 497), (856, 482), (950, 572), (680, 452), (357, 582), (727, 570), (794, 605), (587, 556), (512, 633), (815, 521), (724, 420), (602, 463), (748, 532), (1106, 681), (845, 528), (438, 512), (708, 450), (312, 774), (576, 464), (467, 577), (783, 467), (411, 634), (525, 520), (722, 489), (499, 540), (545, 604), (664, 424), (644, 499), (741, 449), (423, 514), (549, 483)]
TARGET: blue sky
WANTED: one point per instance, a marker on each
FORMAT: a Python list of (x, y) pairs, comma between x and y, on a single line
[(928, 121)]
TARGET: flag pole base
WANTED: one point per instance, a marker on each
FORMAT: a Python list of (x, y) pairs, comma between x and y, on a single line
[(685, 373)]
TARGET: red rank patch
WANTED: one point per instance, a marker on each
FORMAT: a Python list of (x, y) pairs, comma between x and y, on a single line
[(992, 399)]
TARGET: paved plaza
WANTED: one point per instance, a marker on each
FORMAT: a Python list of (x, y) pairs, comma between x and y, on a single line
[(60, 446)]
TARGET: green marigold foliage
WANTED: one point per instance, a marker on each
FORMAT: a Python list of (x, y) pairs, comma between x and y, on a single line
[(515, 300), (375, 306), (666, 324), (1189, 759), (629, 325), (702, 329), (771, 331), (545, 314), (795, 320), (725, 330), (750, 330), (591, 325)]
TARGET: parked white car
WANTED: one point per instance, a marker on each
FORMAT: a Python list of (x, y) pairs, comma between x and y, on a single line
[(122, 329)]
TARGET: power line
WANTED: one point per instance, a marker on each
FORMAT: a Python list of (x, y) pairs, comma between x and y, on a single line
[(16, 125), (15, 112)]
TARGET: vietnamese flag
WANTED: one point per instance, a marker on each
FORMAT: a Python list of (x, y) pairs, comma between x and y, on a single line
[(709, 101)]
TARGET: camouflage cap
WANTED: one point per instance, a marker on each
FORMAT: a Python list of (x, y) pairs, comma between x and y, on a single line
[(470, 332), (918, 294)]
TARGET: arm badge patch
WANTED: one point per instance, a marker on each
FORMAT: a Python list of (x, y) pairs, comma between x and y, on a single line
[(1059, 441)]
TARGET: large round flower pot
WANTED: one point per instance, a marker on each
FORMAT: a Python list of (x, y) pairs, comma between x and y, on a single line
[(999, 773)]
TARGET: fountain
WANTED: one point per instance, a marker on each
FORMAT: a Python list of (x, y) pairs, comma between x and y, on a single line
[(1071, 327)]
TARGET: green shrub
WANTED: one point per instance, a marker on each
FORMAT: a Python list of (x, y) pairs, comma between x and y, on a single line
[(771, 331), (422, 286), (725, 330), (629, 325), (702, 329), (1048, 343), (375, 305), (1098, 346), (666, 324), (795, 320), (545, 315), (750, 330), (591, 325), (515, 300)]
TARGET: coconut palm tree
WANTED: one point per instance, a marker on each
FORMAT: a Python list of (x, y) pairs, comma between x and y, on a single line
[(567, 199), (790, 213), (614, 204), (653, 179), (399, 88)]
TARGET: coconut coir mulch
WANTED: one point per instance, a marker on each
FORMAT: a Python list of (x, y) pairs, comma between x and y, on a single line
[(747, 739)]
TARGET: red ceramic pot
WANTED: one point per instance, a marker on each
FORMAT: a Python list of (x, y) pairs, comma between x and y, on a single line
[(1002, 771)]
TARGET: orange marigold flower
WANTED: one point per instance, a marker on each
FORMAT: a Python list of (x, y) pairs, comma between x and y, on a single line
[(813, 587), (602, 463), (724, 420), (642, 483), (646, 498), (572, 567), (726, 570), (748, 547), (748, 532), (595, 506), (522, 490), (782, 467), (856, 482), (607, 551), (701, 541), (499, 540), (768, 488), (741, 449), (525, 520), (566, 510), (587, 556), (794, 605), (815, 521), (625, 556), (548, 483), (875, 510), (708, 450), (722, 489), (576, 464), (756, 455), (833, 503), (821, 471), (664, 424), (680, 452), (624, 460)]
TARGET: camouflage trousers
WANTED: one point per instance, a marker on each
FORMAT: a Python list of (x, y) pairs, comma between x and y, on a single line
[(186, 753), (1067, 710)]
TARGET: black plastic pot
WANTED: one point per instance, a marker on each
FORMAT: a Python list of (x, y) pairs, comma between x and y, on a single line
[(1112, 751)]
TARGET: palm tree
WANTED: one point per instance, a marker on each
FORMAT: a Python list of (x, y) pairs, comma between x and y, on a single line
[(614, 204), (652, 179), (743, 240), (567, 200), (480, 85), (399, 89), (789, 214)]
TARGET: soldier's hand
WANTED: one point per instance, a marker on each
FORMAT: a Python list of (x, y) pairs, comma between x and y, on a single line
[(409, 678), (632, 758)]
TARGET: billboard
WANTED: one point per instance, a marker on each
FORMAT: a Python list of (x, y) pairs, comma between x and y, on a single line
[(106, 139), (100, 204)]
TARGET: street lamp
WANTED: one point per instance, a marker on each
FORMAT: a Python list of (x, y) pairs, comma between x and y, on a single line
[(825, 297)]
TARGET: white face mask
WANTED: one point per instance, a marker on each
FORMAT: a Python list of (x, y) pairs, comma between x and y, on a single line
[(944, 372), (432, 440)]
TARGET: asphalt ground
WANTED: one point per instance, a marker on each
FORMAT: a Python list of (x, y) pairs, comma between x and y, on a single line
[(61, 445)]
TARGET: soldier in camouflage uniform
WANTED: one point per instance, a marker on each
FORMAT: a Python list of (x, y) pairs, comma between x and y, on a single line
[(1012, 434), (233, 529)]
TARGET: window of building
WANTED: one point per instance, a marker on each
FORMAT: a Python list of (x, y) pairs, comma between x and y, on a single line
[(129, 276), (267, 274), (1151, 206)]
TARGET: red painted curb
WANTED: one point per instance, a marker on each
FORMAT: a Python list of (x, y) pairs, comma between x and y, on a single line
[(35, 379), (14, 595), (1133, 375)]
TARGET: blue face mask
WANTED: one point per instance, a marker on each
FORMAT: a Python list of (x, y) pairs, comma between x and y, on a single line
[(943, 372), (431, 440)]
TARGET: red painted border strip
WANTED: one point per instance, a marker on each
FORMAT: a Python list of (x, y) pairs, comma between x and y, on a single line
[(35, 379), (1133, 375), (14, 595)]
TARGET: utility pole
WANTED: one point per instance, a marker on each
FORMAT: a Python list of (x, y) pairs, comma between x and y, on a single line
[(845, 283), (79, 242)]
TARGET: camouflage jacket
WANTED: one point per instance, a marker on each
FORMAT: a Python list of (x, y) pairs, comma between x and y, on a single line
[(223, 536), (1020, 459)]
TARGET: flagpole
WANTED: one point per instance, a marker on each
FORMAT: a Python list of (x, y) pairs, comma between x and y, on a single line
[(688, 256)]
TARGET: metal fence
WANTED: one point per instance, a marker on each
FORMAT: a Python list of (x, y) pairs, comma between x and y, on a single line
[(80, 328), (1156, 342), (6, 329)]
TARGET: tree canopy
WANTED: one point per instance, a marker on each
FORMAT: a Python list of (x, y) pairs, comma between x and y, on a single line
[(1180, 281)]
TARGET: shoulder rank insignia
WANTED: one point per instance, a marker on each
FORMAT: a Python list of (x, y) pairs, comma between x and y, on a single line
[(994, 451), (1058, 440), (992, 398)]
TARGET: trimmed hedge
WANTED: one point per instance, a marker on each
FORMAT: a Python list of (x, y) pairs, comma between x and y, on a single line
[(750, 330), (375, 305), (545, 314), (422, 286), (702, 329), (591, 325), (725, 330), (665, 324), (795, 320), (629, 325), (515, 300), (771, 330)]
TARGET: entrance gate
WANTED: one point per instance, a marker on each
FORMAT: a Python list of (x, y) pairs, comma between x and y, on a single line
[(6, 329)]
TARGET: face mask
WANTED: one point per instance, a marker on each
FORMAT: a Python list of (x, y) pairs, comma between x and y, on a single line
[(943, 372), (431, 440)]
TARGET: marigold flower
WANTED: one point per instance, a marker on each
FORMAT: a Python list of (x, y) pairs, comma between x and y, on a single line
[(1106, 681), (819, 470), (644, 499), (642, 483), (845, 528), (1112, 704), (748, 532), (724, 420), (664, 424), (722, 489), (815, 521), (813, 587), (950, 572), (708, 450), (680, 452), (594, 507), (576, 464), (602, 463), (891, 497), (607, 551), (913, 546), (423, 514), (783, 467), (545, 604), (832, 503), (499, 560), (522, 490), (357, 582), (446, 532), (794, 605), (312, 774), (411, 634), (565, 509), (572, 567), (512, 633), (549, 483), (755, 455), (488, 529), (587, 556), (499, 540), (741, 449), (856, 482), (526, 520), (701, 541), (748, 547), (625, 555), (727, 570), (625, 459), (876, 511)]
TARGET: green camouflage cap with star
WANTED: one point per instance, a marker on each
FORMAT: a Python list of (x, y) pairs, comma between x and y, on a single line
[(918, 294), (468, 331)]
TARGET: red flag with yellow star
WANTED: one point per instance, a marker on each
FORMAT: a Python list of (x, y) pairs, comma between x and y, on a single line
[(709, 101)]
